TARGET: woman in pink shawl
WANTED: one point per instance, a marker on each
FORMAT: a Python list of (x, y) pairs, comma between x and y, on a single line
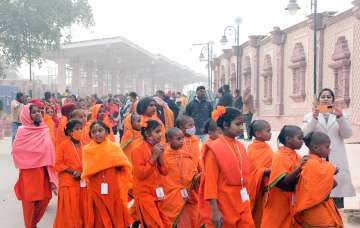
[(33, 154)]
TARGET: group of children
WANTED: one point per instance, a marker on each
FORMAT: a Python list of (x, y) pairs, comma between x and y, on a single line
[(175, 183)]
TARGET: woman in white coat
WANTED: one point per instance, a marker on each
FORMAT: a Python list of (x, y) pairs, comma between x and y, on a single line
[(335, 124)]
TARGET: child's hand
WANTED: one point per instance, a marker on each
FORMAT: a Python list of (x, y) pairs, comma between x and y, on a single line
[(267, 172), (76, 174), (54, 189), (217, 218), (157, 151), (304, 160)]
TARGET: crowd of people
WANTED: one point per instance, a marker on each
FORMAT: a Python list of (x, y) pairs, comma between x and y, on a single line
[(161, 161)]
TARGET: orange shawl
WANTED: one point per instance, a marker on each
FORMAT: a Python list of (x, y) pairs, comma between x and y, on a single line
[(278, 207), (260, 157), (99, 157), (313, 207), (229, 163), (106, 121), (169, 118), (52, 128), (191, 145), (60, 132), (181, 171)]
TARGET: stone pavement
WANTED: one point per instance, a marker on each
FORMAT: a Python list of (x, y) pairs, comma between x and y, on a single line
[(11, 211)]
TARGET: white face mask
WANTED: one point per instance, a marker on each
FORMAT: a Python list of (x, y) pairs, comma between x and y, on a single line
[(190, 131)]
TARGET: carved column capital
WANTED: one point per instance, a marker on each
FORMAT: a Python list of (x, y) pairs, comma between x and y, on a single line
[(278, 36)]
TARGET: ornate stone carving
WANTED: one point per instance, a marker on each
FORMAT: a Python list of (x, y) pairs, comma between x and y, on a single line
[(341, 66), (267, 75), (278, 36), (298, 66), (247, 72)]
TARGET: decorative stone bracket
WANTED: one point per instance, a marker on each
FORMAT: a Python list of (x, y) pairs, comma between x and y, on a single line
[(341, 66), (298, 66)]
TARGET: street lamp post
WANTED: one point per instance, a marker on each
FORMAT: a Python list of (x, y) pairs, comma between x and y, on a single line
[(224, 41), (293, 7), (208, 48)]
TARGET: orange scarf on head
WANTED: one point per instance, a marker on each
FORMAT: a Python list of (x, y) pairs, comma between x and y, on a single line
[(106, 121)]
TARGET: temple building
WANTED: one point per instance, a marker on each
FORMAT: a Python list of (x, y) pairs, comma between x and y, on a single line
[(116, 65), (278, 68)]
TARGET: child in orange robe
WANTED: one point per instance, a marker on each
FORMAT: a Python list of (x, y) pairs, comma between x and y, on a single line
[(66, 113), (80, 114), (191, 143), (148, 110), (149, 166), (107, 172), (313, 205), (224, 201), (49, 121), (212, 129), (180, 205), (260, 157), (99, 113), (285, 169), (72, 191), (132, 136)]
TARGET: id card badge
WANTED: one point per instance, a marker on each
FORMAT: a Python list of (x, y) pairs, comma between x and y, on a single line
[(160, 194), (82, 184), (104, 189), (244, 195), (184, 193)]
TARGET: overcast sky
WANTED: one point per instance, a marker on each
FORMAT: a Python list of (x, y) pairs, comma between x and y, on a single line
[(170, 27)]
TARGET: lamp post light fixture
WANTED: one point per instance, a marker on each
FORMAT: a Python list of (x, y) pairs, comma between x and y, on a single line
[(208, 49), (224, 41), (293, 7)]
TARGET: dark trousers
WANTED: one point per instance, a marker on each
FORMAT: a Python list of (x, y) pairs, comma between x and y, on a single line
[(339, 202), (247, 119)]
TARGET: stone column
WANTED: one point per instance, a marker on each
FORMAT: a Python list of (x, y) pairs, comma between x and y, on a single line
[(278, 39), (254, 42), (114, 82), (89, 70), (75, 77), (61, 76), (100, 81)]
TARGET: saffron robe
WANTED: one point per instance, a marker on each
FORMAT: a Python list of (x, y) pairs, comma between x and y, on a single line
[(181, 174), (71, 197), (105, 163), (226, 164), (278, 210), (260, 157), (313, 205), (146, 180)]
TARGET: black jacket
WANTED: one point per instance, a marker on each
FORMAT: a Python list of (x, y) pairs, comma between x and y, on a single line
[(226, 100), (200, 111)]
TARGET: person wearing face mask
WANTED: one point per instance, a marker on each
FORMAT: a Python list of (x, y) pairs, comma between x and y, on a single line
[(200, 110), (327, 117), (33, 154), (148, 168), (72, 190), (191, 143)]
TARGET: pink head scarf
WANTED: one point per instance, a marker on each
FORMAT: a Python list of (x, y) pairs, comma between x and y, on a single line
[(33, 147)]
